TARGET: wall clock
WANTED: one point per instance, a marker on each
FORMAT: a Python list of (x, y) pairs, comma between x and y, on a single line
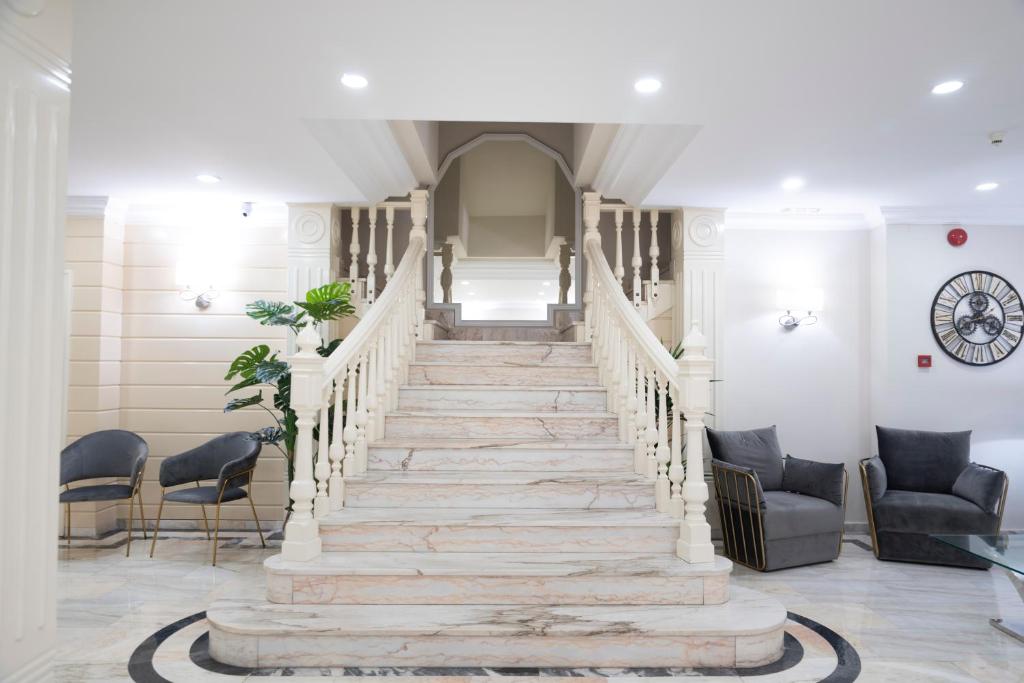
[(977, 318)]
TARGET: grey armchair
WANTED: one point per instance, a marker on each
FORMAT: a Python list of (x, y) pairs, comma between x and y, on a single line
[(230, 459), (775, 513), (102, 455), (923, 483)]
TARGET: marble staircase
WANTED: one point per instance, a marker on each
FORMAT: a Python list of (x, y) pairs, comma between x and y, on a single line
[(499, 523)]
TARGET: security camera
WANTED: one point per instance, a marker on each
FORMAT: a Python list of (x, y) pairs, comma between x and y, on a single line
[(996, 138), (246, 209)]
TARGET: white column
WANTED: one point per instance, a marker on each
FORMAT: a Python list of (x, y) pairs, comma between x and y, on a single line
[(34, 78), (310, 227), (694, 544), (418, 213), (591, 217), (698, 262), (302, 533)]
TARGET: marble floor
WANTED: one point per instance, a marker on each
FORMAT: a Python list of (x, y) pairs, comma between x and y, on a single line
[(891, 621)]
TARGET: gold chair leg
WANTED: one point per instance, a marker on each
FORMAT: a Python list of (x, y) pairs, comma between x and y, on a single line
[(206, 520), (131, 519), (216, 535), (142, 514), (258, 529), (156, 529)]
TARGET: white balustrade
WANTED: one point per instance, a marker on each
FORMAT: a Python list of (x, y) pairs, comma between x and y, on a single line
[(642, 378), (359, 382), (655, 253), (637, 261), (642, 292), (353, 246), (371, 257)]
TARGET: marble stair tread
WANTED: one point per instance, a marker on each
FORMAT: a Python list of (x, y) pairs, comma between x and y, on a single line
[(622, 564), (478, 343), (497, 478), (485, 364), (498, 444), (451, 373), (485, 412), (747, 613), (499, 517)]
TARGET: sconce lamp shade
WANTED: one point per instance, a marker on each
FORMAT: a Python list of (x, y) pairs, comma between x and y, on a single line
[(805, 299)]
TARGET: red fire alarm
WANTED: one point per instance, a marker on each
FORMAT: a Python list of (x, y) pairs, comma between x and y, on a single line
[(956, 237), (924, 361)]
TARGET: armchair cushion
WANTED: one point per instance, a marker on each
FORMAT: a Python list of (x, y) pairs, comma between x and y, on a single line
[(757, 449), (981, 485), (204, 495), (878, 482), (931, 513), (732, 482), (819, 479), (81, 494), (923, 461), (788, 515)]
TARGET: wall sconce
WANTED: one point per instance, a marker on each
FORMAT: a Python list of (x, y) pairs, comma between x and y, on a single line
[(194, 269), (799, 300)]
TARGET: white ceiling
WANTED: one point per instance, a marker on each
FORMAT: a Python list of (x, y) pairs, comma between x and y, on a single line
[(832, 90)]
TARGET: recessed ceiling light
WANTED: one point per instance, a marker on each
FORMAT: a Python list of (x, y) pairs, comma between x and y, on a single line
[(354, 81), (793, 183), (208, 178), (647, 86), (986, 187), (464, 282), (947, 87)]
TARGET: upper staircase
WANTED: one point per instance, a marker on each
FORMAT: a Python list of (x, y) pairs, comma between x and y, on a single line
[(499, 523)]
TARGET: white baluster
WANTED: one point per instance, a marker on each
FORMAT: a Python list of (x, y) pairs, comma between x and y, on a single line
[(381, 383), (419, 231), (302, 533), (322, 469), (675, 468), (631, 402), (655, 252), (336, 489), (637, 261), (619, 270), (362, 416), (640, 447), (351, 432), (389, 249), (371, 394), (662, 453), (371, 257), (695, 369), (353, 249), (591, 217), (651, 433)]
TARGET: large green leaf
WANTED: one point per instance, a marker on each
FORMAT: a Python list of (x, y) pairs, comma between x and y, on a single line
[(244, 384), (246, 363), (326, 351), (239, 403), (283, 397), (274, 313), (269, 435), (328, 302), (271, 371)]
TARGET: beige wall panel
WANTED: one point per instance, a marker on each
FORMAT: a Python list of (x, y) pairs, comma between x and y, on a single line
[(253, 255), (78, 249), (170, 301), (191, 420), (198, 397), (82, 226), (208, 374), (95, 348), (193, 326), (96, 299), (224, 350), (169, 443), (85, 273), (92, 373), (94, 398), (95, 323), (81, 423), (240, 279)]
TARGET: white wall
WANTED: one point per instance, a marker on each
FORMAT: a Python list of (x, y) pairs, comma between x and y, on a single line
[(951, 395), (813, 381)]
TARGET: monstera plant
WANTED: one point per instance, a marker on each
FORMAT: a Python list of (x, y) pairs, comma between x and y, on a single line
[(260, 370)]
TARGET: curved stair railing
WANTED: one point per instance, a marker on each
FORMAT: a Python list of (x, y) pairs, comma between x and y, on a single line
[(642, 378), (345, 397)]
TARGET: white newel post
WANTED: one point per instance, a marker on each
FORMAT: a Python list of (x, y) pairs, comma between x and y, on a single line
[(302, 533), (695, 370), (310, 230), (418, 212), (591, 217)]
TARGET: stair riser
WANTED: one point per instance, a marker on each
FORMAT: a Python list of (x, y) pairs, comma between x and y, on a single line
[(516, 400), (555, 427), (500, 459), (551, 495), (504, 354), (498, 539), (614, 650), (553, 376), (495, 590)]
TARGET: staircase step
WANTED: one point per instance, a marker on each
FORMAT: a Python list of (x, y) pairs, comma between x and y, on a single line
[(528, 399), (477, 424), (510, 490), (423, 373), (457, 455), (746, 631), (488, 530), (413, 578), (504, 353)]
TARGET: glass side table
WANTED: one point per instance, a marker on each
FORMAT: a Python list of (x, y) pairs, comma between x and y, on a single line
[(1005, 550)]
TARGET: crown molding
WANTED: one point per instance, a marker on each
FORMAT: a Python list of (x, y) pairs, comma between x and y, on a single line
[(949, 215), (12, 14), (752, 220)]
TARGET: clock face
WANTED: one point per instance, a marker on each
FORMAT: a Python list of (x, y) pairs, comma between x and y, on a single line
[(977, 318)]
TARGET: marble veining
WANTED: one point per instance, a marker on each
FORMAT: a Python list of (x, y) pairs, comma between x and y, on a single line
[(514, 399), (468, 425), (528, 375), (518, 458)]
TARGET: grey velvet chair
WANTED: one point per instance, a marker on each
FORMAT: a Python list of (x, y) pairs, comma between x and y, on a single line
[(230, 460), (102, 455), (775, 512), (923, 483)]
